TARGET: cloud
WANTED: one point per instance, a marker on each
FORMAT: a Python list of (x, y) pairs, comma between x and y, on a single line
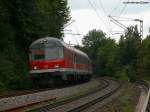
[(78, 4), (87, 19), (112, 7)]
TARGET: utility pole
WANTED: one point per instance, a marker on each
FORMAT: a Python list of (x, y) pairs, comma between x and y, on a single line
[(134, 2), (141, 27), (124, 27)]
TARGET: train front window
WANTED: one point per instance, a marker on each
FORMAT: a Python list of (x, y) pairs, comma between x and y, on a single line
[(54, 53), (47, 53), (37, 54)]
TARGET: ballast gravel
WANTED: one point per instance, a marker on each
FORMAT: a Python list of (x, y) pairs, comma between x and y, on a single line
[(23, 100), (79, 102)]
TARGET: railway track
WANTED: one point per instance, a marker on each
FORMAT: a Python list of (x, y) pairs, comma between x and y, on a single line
[(91, 103), (82, 102), (17, 93), (31, 91), (13, 102)]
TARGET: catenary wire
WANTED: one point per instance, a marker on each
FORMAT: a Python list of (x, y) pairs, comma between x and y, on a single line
[(99, 16), (115, 8)]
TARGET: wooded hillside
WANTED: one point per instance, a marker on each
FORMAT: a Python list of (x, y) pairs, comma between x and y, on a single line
[(21, 22)]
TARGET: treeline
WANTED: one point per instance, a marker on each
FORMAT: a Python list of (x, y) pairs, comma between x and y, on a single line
[(21, 22), (127, 59)]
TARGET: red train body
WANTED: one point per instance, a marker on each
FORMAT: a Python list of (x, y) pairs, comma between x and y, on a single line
[(53, 61)]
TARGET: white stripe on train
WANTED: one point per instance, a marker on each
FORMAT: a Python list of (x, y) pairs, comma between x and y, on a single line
[(61, 70)]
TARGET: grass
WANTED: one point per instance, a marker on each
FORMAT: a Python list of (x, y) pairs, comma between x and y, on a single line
[(126, 100), (146, 78), (126, 105), (122, 104)]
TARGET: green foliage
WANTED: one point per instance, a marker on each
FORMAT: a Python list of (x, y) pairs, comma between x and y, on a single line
[(127, 60), (106, 57), (93, 38), (129, 45), (102, 51), (91, 42), (127, 107), (22, 22), (122, 75), (143, 62)]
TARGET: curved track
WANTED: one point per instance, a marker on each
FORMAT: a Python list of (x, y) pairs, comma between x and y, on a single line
[(31, 91), (82, 102), (24, 92), (31, 98), (91, 103)]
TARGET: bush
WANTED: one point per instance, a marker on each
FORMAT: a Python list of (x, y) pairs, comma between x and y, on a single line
[(122, 75)]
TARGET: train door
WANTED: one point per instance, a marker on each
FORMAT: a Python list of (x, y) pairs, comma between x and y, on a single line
[(74, 61)]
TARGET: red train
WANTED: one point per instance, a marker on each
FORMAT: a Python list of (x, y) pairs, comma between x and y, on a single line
[(51, 61)]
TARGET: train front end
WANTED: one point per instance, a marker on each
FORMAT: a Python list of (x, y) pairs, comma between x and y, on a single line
[(46, 59)]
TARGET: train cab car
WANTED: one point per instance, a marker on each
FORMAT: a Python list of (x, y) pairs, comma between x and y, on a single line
[(53, 61)]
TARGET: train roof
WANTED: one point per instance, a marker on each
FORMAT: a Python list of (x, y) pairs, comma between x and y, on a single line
[(51, 41)]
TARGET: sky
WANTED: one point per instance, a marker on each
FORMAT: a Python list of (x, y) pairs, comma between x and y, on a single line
[(87, 15)]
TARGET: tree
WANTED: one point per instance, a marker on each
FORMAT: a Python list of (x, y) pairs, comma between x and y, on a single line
[(128, 60), (129, 46), (102, 52), (92, 41), (143, 62), (107, 58), (32, 19), (22, 22)]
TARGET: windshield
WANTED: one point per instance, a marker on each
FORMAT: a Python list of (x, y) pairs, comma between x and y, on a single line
[(54, 53), (46, 53)]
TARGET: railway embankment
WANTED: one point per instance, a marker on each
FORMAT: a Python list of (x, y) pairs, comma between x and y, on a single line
[(131, 98)]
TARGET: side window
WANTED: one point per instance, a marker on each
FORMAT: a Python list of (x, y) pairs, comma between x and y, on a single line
[(74, 58), (82, 60), (61, 52), (79, 59)]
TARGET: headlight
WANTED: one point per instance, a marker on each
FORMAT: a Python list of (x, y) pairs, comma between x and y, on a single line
[(56, 66), (35, 67)]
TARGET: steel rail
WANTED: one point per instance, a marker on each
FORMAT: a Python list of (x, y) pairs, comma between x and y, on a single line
[(87, 105), (23, 94), (66, 101), (30, 91)]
